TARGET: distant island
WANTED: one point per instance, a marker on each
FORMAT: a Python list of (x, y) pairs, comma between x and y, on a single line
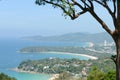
[(74, 37)]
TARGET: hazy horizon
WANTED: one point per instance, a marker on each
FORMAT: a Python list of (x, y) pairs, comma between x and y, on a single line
[(25, 18)]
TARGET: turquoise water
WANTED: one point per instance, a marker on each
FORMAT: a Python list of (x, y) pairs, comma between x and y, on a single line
[(10, 58), (26, 76)]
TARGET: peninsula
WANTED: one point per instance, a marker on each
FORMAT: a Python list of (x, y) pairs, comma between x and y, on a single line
[(92, 52), (58, 66)]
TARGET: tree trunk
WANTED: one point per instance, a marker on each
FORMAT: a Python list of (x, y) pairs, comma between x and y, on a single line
[(117, 41), (117, 59)]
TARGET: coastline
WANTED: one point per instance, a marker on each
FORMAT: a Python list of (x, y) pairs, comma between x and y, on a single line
[(22, 71), (84, 55), (53, 76)]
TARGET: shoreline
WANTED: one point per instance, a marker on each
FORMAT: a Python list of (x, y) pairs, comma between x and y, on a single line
[(84, 55), (53, 76), (23, 71)]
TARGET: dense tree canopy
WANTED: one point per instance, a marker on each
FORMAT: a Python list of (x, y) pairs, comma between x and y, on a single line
[(96, 74), (5, 77)]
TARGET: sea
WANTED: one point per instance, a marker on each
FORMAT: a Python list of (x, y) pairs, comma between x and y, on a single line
[(11, 58)]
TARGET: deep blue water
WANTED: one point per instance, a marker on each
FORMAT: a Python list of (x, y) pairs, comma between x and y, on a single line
[(10, 58)]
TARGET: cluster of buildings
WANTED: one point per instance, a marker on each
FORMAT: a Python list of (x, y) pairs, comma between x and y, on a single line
[(106, 47), (108, 44)]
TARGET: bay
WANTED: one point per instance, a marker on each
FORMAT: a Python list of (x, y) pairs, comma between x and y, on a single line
[(10, 58)]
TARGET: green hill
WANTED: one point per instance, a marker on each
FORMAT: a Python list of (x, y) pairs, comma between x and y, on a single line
[(74, 37)]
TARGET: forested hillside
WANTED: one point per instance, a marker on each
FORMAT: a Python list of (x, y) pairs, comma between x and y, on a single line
[(74, 37), (5, 77)]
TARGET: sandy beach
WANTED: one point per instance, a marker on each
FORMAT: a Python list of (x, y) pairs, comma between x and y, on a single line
[(84, 55), (54, 76)]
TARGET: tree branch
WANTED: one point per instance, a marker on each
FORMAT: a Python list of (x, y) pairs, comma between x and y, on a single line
[(114, 4), (76, 3), (113, 14), (78, 14), (92, 7), (64, 10), (105, 6), (84, 2), (101, 22), (84, 9), (68, 7)]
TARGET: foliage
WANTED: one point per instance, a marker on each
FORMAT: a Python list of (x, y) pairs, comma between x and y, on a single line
[(104, 64), (111, 75), (69, 49), (5, 77), (52, 65), (96, 74), (57, 66)]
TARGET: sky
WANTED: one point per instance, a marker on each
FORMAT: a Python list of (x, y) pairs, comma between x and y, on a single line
[(24, 18)]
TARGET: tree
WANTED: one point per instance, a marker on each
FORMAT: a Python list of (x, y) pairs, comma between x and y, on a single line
[(5, 77), (110, 75), (95, 74), (75, 8)]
